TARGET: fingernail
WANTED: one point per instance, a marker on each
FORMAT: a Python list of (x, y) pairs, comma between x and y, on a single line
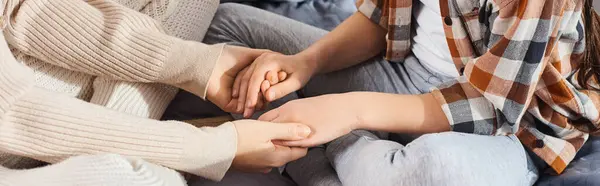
[(234, 93), (247, 113), (271, 95), (239, 108), (271, 79), (303, 131)]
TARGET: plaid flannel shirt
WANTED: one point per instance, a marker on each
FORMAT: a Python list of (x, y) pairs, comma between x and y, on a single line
[(517, 61)]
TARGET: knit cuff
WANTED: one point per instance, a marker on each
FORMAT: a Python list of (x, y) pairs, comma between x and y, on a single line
[(216, 154), (190, 65)]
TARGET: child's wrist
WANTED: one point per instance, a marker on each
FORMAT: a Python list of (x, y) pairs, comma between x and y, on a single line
[(311, 60)]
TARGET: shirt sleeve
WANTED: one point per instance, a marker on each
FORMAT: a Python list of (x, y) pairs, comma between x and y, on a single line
[(395, 16), (374, 10), (104, 38), (520, 72)]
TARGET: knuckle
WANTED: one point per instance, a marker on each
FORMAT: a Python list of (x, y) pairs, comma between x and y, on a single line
[(291, 130)]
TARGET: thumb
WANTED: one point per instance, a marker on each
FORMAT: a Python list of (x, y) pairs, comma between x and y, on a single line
[(310, 142), (288, 154), (254, 53), (281, 89), (288, 131)]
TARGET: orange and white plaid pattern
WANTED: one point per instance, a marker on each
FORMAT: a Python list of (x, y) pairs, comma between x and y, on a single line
[(517, 60)]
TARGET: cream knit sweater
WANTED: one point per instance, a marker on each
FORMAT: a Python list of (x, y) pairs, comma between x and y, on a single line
[(186, 19), (105, 39)]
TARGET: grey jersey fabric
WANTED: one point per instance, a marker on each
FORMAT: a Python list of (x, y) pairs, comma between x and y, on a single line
[(325, 14)]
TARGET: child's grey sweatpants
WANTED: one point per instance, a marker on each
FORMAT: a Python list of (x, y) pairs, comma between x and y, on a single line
[(362, 158)]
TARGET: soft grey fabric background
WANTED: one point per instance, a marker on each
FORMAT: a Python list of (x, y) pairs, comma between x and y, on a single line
[(597, 5)]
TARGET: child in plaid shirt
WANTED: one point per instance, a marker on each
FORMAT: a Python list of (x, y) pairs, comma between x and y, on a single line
[(524, 98)]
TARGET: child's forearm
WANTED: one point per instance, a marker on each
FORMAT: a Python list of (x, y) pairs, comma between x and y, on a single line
[(355, 40), (400, 113)]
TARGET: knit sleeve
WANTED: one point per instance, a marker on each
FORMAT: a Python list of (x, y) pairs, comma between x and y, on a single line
[(94, 170), (104, 38), (49, 127)]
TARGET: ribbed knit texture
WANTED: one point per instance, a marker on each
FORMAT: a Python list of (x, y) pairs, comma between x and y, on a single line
[(128, 45), (105, 39), (185, 19), (94, 170), (149, 100)]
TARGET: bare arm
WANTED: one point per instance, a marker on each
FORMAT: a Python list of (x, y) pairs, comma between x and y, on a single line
[(352, 42), (334, 115), (418, 114)]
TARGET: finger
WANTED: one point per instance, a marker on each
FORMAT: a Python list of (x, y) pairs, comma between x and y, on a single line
[(286, 154), (236, 83), (272, 77), (269, 116), (264, 86), (261, 102), (256, 80), (231, 106), (278, 142), (250, 111), (297, 153), (244, 90), (282, 89), (288, 131), (282, 75), (309, 142), (266, 170)]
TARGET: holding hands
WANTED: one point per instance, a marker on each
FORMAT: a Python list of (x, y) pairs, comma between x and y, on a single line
[(272, 141), (272, 76), (256, 151)]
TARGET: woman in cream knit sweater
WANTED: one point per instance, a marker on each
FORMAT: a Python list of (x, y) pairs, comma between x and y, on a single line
[(107, 40)]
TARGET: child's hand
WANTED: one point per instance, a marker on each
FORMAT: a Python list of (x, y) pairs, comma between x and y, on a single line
[(329, 117), (293, 72), (270, 79)]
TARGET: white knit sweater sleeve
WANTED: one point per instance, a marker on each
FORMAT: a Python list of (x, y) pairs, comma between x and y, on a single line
[(48, 127), (184, 19), (104, 38), (52, 127), (96, 170)]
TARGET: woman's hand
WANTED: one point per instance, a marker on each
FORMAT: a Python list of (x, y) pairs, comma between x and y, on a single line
[(256, 151), (295, 69), (232, 60), (328, 116)]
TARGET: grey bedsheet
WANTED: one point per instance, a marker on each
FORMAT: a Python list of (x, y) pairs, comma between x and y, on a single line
[(583, 171)]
